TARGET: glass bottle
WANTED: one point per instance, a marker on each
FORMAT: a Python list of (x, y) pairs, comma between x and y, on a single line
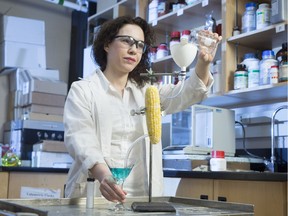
[(241, 77), (283, 52)]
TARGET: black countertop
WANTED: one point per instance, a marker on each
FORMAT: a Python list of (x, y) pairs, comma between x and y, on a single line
[(227, 175), (245, 176), (34, 169)]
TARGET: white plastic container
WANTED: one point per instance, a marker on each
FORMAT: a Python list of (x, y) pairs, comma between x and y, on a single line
[(253, 68), (268, 60), (153, 10), (263, 16), (217, 73), (218, 161), (90, 193), (249, 17)]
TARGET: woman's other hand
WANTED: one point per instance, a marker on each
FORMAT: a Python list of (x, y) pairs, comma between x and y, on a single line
[(111, 191), (108, 187)]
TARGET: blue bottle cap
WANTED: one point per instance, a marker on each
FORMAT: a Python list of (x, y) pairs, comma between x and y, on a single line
[(268, 54), (250, 4), (249, 55)]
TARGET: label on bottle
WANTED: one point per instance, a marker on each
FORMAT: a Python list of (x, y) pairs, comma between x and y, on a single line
[(240, 80), (253, 78), (274, 74)]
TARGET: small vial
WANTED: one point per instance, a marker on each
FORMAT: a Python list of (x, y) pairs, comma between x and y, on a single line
[(218, 161), (90, 193)]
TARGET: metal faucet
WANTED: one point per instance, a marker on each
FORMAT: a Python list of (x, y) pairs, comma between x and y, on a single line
[(271, 164)]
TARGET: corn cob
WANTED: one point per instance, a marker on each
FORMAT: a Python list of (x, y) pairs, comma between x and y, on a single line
[(153, 114)]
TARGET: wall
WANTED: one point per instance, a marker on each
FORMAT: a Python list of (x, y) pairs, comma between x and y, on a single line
[(57, 35)]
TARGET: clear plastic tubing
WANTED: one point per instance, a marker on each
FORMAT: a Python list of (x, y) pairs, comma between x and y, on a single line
[(249, 17)]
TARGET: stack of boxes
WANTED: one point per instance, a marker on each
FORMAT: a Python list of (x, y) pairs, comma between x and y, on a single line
[(22, 42), (37, 96)]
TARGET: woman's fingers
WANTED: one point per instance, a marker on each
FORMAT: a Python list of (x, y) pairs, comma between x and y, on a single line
[(111, 191)]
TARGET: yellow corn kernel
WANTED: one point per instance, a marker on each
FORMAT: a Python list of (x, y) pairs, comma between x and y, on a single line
[(153, 114)]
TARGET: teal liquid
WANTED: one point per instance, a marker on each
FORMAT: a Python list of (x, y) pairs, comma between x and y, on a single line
[(120, 174)]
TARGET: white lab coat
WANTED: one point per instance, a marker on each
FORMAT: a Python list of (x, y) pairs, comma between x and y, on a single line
[(88, 126)]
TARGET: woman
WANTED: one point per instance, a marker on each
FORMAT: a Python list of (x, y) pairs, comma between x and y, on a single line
[(97, 116)]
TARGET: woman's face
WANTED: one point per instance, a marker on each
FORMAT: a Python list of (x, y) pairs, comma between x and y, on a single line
[(125, 51)]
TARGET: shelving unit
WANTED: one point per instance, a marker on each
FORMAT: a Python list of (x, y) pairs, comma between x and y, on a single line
[(124, 7), (189, 17), (234, 48), (230, 51), (262, 38), (251, 96)]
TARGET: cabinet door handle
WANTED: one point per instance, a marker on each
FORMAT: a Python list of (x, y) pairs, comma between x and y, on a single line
[(223, 199), (204, 197)]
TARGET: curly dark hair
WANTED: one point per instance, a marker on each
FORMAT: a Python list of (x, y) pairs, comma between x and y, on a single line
[(106, 34)]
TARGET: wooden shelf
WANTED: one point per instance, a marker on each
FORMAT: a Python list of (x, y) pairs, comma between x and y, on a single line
[(189, 17), (270, 36), (109, 12), (250, 96), (193, 17)]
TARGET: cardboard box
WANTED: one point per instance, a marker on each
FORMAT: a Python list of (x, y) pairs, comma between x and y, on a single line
[(22, 134), (52, 110), (19, 76), (15, 54), (50, 146), (47, 86), (42, 117), (42, 98), (51, 159), (22, 30)]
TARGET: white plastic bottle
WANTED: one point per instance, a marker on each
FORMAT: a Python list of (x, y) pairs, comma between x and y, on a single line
[(268, 60), (249, 17), (217, 72), (153, 10), (90, 193), (253, 68), (218, 161), (263, 16)]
